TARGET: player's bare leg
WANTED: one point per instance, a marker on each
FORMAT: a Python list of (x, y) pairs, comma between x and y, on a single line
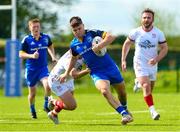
[(122, 96), (66, 102), (104, 87), (31, 99), (47, 94), (147, 93)]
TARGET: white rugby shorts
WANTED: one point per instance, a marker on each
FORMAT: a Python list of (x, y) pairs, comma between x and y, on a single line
[(150, 71), (60, 88)]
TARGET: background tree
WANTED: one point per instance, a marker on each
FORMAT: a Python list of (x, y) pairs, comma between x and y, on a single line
[(45, 10)]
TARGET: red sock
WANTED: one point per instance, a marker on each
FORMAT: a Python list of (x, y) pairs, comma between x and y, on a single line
[(59, 105), (149, 100)]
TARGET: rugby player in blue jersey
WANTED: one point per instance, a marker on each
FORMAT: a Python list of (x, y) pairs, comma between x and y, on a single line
[(34, 49), (104, 71)]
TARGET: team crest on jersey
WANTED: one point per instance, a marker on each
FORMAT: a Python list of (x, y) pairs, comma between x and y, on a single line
[(89, 39), (46, 40), (153, 35)]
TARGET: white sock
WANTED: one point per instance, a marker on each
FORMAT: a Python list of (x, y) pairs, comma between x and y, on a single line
[(152, 108)]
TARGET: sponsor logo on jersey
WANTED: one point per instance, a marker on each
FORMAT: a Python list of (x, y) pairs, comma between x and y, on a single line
[(39, 45), (146, 44), (85, 50)]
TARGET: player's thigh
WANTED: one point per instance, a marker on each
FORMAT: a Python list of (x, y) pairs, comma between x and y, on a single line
[(60, 88), (69, 100), (144, 80), (103, 85), (101, 80), (120, 88), (44, 82)]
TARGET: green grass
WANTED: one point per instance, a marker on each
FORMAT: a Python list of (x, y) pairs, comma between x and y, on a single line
[(93, 114)]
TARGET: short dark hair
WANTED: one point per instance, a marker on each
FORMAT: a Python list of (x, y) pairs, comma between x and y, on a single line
[(147, 10), (75, 21)]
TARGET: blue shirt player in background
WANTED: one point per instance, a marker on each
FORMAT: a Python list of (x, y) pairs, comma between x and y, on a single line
[(34, 49), (104, 71)]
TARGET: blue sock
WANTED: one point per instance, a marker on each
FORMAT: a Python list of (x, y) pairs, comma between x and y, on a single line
[(121, 110), (46, 102), (124, 104), (125, 107), (32, 108)]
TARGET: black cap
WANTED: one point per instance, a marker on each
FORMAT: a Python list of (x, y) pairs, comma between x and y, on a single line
[(75, 21)]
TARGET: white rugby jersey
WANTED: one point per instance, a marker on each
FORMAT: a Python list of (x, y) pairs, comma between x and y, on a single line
[(63, 64), (146, 44)]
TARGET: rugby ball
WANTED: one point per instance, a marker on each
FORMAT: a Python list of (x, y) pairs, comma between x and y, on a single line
[(97, 40)]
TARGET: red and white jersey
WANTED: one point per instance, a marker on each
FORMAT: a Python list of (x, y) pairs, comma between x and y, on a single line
[(63, 64), (146, 44)]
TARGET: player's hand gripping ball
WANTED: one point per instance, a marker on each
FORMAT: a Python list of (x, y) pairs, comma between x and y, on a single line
[(101, 52)]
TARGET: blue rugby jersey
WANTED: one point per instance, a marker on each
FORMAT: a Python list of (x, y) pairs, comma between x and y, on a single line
[(84, 48), (30, 45)]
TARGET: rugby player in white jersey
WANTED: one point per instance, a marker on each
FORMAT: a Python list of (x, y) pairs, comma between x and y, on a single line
[(64, 91), (147, 38)]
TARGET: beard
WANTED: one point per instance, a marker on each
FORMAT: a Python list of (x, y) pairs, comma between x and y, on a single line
[(147, 25)]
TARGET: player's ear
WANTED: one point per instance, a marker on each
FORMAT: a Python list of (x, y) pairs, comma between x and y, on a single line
[(29, 27)]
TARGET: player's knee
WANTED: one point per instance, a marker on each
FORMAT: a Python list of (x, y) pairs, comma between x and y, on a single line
[(145, 85), (73, 106), (146, 88), (47, 89), (32, 95), (104, 92)]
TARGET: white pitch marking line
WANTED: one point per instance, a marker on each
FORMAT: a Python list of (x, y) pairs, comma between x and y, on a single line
[(133, 112)]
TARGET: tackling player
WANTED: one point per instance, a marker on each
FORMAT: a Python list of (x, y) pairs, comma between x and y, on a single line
[(104, 71), (34, 49), (146, 38), (64, 91)]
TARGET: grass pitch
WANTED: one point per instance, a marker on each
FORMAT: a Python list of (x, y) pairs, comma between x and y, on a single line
[(93, 114)]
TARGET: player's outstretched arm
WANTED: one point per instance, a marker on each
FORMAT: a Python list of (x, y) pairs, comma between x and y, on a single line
[(76, 74), (64, 76)]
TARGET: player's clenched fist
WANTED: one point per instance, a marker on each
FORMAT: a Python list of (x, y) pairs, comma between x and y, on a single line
[(36, 55)]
